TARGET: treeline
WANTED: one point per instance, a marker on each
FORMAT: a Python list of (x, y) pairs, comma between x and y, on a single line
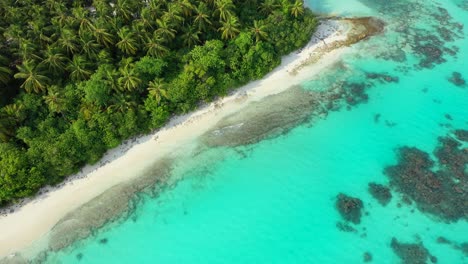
[(78, 77)]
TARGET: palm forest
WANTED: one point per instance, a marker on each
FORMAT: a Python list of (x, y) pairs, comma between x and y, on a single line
[(78, 77)]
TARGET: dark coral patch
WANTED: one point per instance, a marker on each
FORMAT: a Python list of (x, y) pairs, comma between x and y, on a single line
[(462, 134), (457, 79), (412, 253), (103, 241), (367, 257), (380, 192), (443, 193), (382, 77), (349, 208), (345, 227)]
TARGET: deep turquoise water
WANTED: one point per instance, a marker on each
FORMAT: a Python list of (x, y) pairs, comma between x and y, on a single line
[(274, 201)]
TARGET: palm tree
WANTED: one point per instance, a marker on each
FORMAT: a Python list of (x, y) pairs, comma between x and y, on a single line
[(186, 7), (229, 28), (190, 37), (81, 16), (129, 80), (103, 37), (165, 30), (34, 80), (67, 41), (27, 50), (77, 68), (127, 43), (55, 101), (258, 30), (297, 8), (54, 60), (172, 15), (155, 46), (15, 112), (89, 46), (224, 9), (157, 89), (202, 17), (268, 7), (121, 103), (123, 9)]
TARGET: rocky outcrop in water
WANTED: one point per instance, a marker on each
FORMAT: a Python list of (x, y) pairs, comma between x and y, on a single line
[(410, 253), (108, 206), (349, 208), (380, 192), (457, 79)]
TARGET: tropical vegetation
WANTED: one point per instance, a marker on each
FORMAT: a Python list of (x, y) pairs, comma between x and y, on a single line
[(79, 77)]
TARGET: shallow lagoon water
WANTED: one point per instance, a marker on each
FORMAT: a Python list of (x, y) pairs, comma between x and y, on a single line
[(274, 201)]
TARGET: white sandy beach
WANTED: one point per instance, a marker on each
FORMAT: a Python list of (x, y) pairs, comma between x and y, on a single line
[(35, 218)]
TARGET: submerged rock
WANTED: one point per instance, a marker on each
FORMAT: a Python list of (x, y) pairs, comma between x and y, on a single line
[(349, 207), (367, 257), (272, 116), (462, 134), (457, 79), (345, 227), (108, 206), (382, 77), (411, 253), (380, 192)]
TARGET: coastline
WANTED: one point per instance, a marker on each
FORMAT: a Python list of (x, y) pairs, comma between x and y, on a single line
[(131, 159)]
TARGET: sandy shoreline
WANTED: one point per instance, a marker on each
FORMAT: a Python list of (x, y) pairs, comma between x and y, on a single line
[(36, 217)]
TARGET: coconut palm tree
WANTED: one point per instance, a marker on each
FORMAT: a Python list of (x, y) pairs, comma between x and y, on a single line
[(190, 37), (172, 15), (224, 9), (157, 89), (258, 30), (155, 46), (81, 16), (55, 101), (127, 44), (229, 28), (67, 41), (123, 9), (165, 30), (121, 103), (128, 81), (297, 8), (54, 60), (27, 50), (89, 46), (202, 17), (268, 6), (103, 37), (78, 68), (186, 7), (34, 79)]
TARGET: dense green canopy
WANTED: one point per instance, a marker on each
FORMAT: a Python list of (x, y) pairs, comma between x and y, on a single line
[(78, 77)]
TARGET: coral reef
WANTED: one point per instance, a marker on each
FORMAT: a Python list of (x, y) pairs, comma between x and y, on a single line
[(380, 192), (412, 253), (349, 208)]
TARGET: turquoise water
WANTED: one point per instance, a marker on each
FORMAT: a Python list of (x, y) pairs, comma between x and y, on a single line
[(274, 201)]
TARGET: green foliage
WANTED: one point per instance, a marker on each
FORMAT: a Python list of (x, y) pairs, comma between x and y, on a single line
[(79, 77)]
